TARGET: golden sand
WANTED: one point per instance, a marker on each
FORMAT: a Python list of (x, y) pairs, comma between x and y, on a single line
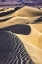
[(33, 41)]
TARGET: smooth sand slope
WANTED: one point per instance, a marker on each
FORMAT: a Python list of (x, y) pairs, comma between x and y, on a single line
[(35, 37), (37, 26), (30, 34), (33, 44), (31, 38), (28, 12), (17, 20), (25, 15)]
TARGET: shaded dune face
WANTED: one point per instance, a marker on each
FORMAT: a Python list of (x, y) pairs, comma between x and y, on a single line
[(5, 44), (18, 29), (12, 50), (16, 20), (38, 20), (28, 12), (5, 20), (8, 12)]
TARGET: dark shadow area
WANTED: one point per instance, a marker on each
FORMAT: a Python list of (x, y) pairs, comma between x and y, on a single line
[(17, 8), (9, 12), (38, 20), (6, 13), (39, 8), (36, 14), (5, 20), (3, 9), (18, 29), (12, 48)]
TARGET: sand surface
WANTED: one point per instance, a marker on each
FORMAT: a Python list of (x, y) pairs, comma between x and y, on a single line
[(23, 15), (35, 52), (19, 22), (33, 43)]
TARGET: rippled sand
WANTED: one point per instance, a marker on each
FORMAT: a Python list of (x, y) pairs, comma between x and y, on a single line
[(19, 22), (33, 43)]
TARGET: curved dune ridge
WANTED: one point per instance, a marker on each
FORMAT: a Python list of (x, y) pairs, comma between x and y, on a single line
[(35, 52), (25, 14), (34, 37), (33, 44), (30, 37), (18, 21), (12, 50)]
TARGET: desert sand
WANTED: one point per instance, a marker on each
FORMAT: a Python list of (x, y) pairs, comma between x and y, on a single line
[(33, 44), (37, 26), (25, 14), (19, 22), (34, 51)]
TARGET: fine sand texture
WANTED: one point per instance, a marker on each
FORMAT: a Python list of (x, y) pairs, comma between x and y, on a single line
[(26, 23), (31, 37), (33, 44)]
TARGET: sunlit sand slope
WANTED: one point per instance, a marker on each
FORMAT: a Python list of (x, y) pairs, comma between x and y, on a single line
[(37, 26), (33, 44), (28, 12), (18, 21), (25, 14)]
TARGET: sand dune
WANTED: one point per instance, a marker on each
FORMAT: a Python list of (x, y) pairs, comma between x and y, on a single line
[(31, 36), (35, 37), (33, 44), (25, 14), (28, 12), (37, 26), (18, 21), (35, 52), (26, 29)]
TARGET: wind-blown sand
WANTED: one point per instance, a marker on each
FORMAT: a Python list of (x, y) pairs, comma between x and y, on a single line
[(35, 52), (18, 21), (33, 44), (31, 38)]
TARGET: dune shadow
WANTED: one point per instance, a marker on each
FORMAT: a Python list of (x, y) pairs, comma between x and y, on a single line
[(36, 14), (9, 12), (18, 29), (38, 20), (5, 20)]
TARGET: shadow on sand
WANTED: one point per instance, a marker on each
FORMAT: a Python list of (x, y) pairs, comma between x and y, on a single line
[(18, 29)]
